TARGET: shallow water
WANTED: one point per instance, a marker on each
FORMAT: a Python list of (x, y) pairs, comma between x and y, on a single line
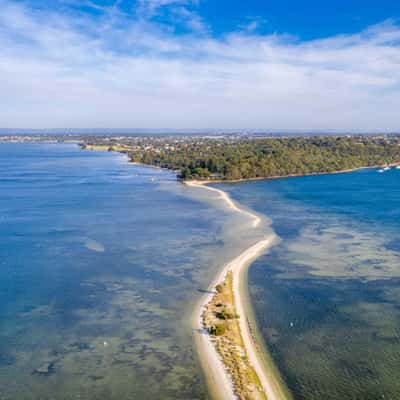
[(101, 265), (327, 298)]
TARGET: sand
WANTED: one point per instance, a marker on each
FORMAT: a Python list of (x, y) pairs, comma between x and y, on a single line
[(256, 220), (218, 378)]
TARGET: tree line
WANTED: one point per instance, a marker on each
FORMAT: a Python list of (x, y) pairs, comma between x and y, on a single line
[(262, 158)]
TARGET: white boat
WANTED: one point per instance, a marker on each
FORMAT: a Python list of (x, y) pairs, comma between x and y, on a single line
[(380, 170), (386, 168), (398, 167)]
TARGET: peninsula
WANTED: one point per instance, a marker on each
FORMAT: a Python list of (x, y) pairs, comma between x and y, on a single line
[(226, 158), (231, 359), (239, 157)]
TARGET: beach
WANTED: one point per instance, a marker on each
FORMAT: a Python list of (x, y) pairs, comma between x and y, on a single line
[(218, 377)]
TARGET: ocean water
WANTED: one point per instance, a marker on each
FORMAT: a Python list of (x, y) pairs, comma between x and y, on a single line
[(327, 297), (101, 263)]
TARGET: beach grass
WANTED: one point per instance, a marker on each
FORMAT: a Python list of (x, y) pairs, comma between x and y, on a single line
[(221, 320)]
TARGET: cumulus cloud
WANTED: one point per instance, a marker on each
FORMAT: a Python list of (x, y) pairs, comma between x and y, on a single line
[(74, 70)]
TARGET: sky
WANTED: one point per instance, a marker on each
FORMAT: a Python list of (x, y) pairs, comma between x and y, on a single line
[(200, 64)]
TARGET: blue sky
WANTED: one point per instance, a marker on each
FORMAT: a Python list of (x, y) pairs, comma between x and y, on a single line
[(200, 64), (307, 19)]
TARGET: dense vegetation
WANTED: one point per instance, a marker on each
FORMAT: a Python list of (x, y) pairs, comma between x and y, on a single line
[(255, 158)]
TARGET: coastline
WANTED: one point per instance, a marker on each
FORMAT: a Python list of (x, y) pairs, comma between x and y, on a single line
[(259, 178), (227, 200), (220, 382), (266, 178), (218, 378)]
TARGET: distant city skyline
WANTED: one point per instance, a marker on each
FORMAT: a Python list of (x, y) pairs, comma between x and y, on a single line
[(193, 64)]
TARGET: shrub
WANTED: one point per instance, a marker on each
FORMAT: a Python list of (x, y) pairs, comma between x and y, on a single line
[(217, 330), (225, 315)]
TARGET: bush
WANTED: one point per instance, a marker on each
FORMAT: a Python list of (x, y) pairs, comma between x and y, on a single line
[(217, 330), (219, 288), (225, 315)]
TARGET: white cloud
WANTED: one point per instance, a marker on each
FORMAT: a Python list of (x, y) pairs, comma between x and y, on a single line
[(253, 24), (149, 8), (60, 71)]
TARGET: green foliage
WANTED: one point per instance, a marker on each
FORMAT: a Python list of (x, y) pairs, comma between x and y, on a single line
[(225, 315), (219, 288), (225, 159), (217, 330)]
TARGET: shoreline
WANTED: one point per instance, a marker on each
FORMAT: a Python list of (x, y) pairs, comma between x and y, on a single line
[(241, 180), (228, 201), (220, 382), (266, 178)]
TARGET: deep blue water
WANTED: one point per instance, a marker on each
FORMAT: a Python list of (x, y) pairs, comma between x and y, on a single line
[(327, 297), (100, 268)]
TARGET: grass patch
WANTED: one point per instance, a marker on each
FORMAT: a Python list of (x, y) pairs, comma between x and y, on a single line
[(221, 321)]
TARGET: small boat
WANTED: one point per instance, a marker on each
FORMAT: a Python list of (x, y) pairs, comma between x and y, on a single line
[(386, 168), (381, 171), (398, 167)]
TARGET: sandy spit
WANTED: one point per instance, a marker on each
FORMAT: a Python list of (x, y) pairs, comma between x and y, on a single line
[(219, 380), (227, 200)]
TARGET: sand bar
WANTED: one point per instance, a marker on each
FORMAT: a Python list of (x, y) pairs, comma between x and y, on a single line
[(219, 380)]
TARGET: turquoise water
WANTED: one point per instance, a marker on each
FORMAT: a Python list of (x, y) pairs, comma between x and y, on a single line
[(101, 264), (327, 297)]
